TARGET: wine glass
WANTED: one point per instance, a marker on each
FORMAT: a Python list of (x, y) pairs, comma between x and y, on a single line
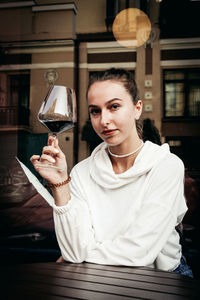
[(58, 111)]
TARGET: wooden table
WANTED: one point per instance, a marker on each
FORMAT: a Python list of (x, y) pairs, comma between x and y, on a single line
[(91, 281)]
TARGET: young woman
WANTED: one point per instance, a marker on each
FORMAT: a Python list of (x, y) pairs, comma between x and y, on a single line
[(123, 202)]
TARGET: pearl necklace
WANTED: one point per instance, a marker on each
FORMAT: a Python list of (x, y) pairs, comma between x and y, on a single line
[(125, 155)]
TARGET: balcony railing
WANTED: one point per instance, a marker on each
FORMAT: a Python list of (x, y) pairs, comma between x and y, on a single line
[(14, 115)]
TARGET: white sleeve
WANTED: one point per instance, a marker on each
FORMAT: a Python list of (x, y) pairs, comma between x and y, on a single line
[(164, 206), (73, 224)]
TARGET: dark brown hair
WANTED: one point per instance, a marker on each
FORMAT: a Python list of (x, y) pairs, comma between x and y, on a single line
[(123, 76)]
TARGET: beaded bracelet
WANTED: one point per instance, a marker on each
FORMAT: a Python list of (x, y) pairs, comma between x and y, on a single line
[(54, 185)]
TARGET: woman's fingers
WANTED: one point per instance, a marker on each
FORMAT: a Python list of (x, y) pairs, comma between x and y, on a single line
[(34, 158), (46, 157), (51, 140), (50, 150), (52, 159), (54, 143), (60, 153), (55, 152)]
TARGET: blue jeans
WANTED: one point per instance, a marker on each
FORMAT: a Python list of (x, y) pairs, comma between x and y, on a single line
[(183, 268)]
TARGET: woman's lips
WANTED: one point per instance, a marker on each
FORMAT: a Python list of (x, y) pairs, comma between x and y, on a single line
[(108, 132)]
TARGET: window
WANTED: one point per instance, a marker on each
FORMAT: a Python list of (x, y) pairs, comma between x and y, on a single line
[(182, 93), (14, 98)]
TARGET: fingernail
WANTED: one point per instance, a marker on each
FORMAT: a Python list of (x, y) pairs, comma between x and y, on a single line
[(56, 150)]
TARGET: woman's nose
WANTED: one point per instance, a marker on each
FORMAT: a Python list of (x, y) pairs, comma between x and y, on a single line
[(105, 118)]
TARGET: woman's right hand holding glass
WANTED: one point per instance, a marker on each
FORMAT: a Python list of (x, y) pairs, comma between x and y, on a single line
[(53, 157)]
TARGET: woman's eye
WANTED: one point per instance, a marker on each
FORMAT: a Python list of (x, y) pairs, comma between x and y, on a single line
[(115, 106), (94, 111)]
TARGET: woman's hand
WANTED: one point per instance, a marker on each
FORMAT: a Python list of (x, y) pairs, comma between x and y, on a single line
[(51, 154)]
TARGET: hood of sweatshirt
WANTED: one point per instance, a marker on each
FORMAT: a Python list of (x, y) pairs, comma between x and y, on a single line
[(101, 169)]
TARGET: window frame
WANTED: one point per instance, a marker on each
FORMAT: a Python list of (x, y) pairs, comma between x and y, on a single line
[(187, 84)]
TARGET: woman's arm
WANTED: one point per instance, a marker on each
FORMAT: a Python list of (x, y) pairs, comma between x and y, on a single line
[(73, 224), (71, 215)]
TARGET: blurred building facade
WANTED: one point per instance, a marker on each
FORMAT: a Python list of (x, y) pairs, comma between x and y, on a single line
[(45, 41)]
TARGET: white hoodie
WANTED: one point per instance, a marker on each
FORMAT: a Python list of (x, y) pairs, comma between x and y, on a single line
[(124, 219)]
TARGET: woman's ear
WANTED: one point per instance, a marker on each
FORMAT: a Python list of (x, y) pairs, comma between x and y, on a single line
[(138, 107)]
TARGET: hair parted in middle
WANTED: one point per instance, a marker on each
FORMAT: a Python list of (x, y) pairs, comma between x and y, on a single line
[(121, 75)]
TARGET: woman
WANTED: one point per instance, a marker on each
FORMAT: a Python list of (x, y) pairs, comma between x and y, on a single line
[(124, 201)]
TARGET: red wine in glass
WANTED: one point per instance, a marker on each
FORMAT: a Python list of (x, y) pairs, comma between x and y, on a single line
[(58, 126)]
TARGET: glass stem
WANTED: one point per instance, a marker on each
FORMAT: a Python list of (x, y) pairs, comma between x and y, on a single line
[(54, 137)]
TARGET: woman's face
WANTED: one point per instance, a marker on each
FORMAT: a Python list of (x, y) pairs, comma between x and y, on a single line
[(112, 112)]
